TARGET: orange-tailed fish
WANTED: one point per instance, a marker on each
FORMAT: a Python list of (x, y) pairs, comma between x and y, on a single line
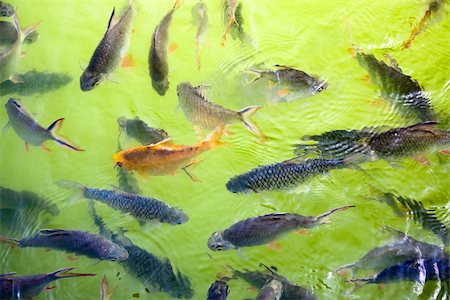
[(111, 50), (30, 131), (200, 111), (165, 157)]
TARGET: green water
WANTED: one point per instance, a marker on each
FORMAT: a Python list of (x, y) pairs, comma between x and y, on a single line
[(313, 36)]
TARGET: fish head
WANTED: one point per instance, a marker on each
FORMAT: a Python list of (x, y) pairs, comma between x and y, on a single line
[(319, 86), (13, 107), (122, 121), (6, 10), (184, 90), (161, 86), (238, 185), (114, 252), (90, 80), (177, 217), (217, 243), (218, 290)]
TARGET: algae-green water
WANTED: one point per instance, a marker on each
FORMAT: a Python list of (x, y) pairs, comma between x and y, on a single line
[(313, 36)]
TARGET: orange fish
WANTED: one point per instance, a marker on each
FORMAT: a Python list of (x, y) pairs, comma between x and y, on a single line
[(165, 157)]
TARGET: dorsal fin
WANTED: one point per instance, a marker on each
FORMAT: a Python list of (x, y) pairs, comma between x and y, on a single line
[(295, 160), (110, 23), (50, 232), (7, 274)]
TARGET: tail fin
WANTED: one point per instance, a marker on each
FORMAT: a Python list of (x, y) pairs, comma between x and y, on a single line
[(23, 33), (105, 293), (64, 273), (344, 267), (79, 190), (328, 213), (61, 140), (7, 240), (245, 115), (177, 4), (213, 139)]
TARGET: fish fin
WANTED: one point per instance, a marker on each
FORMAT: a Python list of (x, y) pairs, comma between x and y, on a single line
[(119, 190), (177, 4), (23, 53), (416, 30), (7, 274), (65, 273), (49, 288), (164, 141), (6, 127), (295, 160), (360, 282), (193, 165), (301, 231), (213, 139), (344, 267), (27, 147), (105, 293), (11, 241), (241, 254), (44, 147), (275, 246), (111, 21), (245, 115), (72, 258), (16, 79), (52, 232), (172, 47), (283, 92), (30, 29), (61, 140), (128, 61), (328, 213), (79, 193)]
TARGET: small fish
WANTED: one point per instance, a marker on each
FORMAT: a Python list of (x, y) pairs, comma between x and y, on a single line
[(264, 229), (433, 7), (6, 9), (105, 293), (229, 7), (143, 209), (285, 175), (200, 111), (200, 21), (157, 57), (78, 242), (219, 290), (404, 92), (9, 56), (404, 248), (293, 79), (140, 131), (153, 273), (164, 157), (27, 287), (272, 290), (110, 51), (417, 270), (30, 131)]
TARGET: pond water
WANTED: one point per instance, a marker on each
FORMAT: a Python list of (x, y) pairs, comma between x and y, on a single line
[(313, 36)]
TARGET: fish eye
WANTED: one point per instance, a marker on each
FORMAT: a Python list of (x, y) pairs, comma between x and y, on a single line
[(219, 248)]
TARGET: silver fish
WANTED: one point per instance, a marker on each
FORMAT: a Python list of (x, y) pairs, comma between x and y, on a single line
[(110, 50), (30, 131)]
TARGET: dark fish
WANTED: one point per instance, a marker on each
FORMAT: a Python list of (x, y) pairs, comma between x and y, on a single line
[(264, 229), (404, 92), (6, 9), (26, 287), (142, 208), (110, 50), (417, 270), (404, 248), (35, 82), (284, 175), (272, 290), (140, 131), (290, 291), (78, 242), (157, 58), (219, 290), (154, 273)]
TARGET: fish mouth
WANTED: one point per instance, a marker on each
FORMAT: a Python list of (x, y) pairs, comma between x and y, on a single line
[(118, 165)]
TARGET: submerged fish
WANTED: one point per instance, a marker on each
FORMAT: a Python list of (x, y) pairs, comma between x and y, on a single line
[(110, 51), (284, 175), (418, 270), (9, 56), (264, 229), (272, 290), (78, 242), (140, 131), (200, 111), (26, 287), (30, 131), (404, 92), (200, 21), (8, 34), (229, 7), (143, 209), (154, 273), (127, 181), (164, 157), (6, 9), (219, 290), (157, 57), (105, 293)]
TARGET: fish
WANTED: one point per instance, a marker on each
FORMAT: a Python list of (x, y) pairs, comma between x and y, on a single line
[(9, 56), (259, 279), (417, 270), (264, 229), (31, 132), (110, 51), (6, 9), (200, 21), (286, 175), (143, 209), (152, 272), (8, 34), (164, 157), (105, 293), (27, 287), (23, 200), (157, 57), (404, 248), (78, 242), (294, 80), (219, 290), (272, 290), (127, 181), (433, 7), (206, 114), (229, 7), (400, 89), (141, 132)]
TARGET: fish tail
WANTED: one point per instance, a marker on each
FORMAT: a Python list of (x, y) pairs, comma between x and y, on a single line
[(65, 273), (354, 160), (105, 293), (344, 267), (360, 282), (324, 215), (12, 241), (177, 4), (79, 189), (245, 115), (213, 139), (61, 140)]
